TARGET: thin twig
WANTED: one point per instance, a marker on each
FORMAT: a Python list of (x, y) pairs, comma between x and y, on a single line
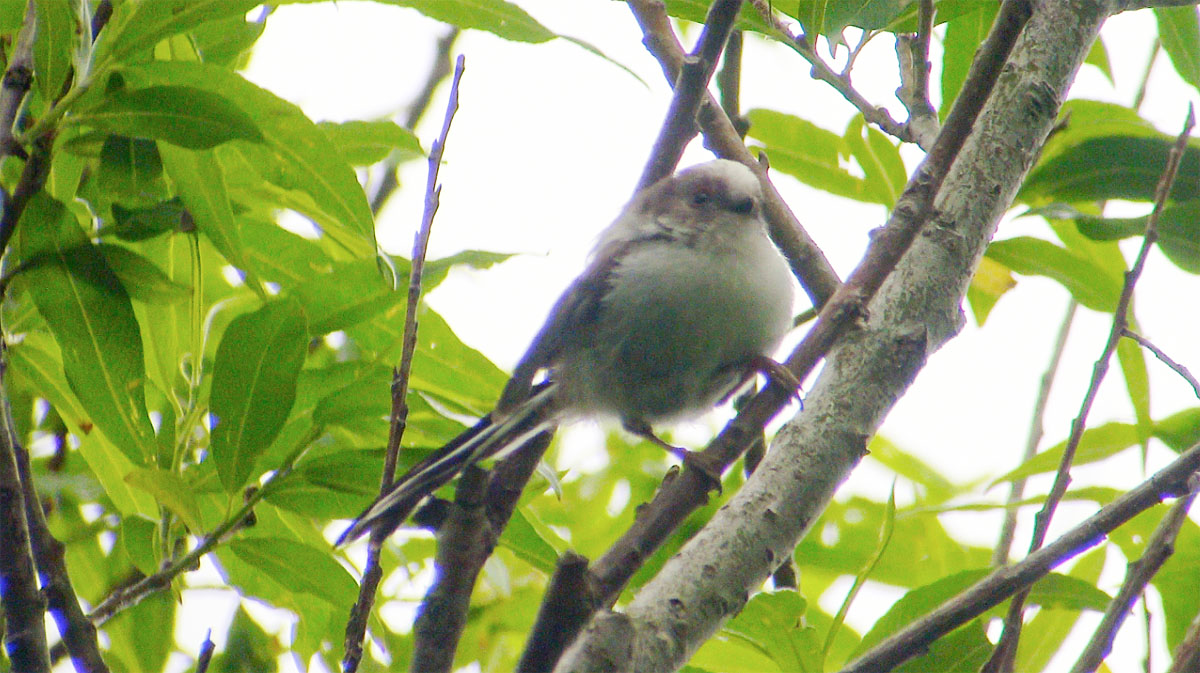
[(206, 653), (440, 70), (824, 72), (1002, 656), (1003, 582), (913, 55), (1036, 428), (729, 83), (1158, 550), (691, 87), (356, 627), (1166, 359)]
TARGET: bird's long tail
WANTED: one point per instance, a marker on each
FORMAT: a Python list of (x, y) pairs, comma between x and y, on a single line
[(486, 439)]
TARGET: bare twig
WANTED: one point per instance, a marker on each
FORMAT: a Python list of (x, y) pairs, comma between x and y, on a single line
[(1003, 582), (824, 72), (206, 653), (1158, 550), (691, 87), (816, 275), (372, 573), (1006, 648), (1036, 428), (438, 72), (1166, 359), (913, 55), (729, 83)]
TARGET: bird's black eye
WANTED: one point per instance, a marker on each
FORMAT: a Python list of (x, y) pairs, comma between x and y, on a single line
[(700, 198), (743, 206)]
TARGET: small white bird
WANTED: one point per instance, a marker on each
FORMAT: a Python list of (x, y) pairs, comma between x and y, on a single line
[(683, 300)]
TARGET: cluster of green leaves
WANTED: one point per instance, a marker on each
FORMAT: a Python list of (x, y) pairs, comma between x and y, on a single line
[(170, 345)]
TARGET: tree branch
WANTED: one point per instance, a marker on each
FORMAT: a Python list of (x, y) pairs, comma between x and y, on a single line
[(372, 573), (1166, 359), (913, 55)]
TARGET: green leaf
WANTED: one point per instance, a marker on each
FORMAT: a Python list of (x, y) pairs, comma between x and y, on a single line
[(1111, 167), (140, 635), (200, 181), (299, 568), (140, 24), (1137, 384), (823, 17), (964, 34), (498, 17), (365, 143), (1179, 31), (254, 385), (1043, 637), (880, 161), (181, 115), (351, 293), (532, 541), (963, 650), (92, 319), (1096, 444), (224, 41), (130, 172), (171, 492), (1098, 56), (295, 167), (807, 152), (696, 10), (1180, 430), (142, 278), (1087, 282), (774, 624), (53, 46), (139, 224), (1178, 229)]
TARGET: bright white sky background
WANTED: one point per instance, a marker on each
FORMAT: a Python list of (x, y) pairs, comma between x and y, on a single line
[(546, 147)]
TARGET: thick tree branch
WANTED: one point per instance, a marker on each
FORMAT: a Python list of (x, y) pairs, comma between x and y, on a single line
[(816, 275), (356, 627)]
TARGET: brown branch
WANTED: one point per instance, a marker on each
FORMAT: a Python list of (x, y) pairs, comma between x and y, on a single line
[(78, 632), (356, 627), (913, 55), (1158, 550), (729, 83), (691, 87), (24, 606), (1166, 359), (1036, 428), (1003, 582), (1002, 656), (816, 275), (416, 110), (18, 77)]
